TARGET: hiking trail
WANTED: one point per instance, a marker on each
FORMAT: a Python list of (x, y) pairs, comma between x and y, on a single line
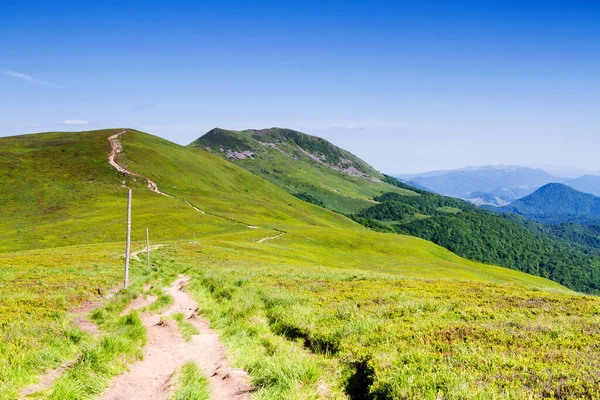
[(135, 254), (270, 238), (166, 351), (117, 147)]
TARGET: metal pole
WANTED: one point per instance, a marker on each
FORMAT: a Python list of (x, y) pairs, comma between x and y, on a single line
[(126, 280), (148, 249)]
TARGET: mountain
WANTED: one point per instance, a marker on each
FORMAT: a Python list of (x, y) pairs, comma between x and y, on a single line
[(300, 163), (586, 183), (556, 203), (495, 185), (306, 166)]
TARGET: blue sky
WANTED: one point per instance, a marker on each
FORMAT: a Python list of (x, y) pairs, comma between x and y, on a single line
[(407, 85)]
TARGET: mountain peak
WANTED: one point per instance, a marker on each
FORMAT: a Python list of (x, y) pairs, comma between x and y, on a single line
[(250, 143), (554, 187), (557, 203), (306, 166)]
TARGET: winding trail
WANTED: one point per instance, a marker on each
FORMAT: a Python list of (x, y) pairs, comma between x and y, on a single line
[(166, 351), (194, 207), (134, 255), (116, 147), (270, 238)]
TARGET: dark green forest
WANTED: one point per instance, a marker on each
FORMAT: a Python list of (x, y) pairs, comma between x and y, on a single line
[(568, 254)]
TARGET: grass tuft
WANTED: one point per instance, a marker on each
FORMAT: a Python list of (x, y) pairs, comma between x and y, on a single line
[(186, 329), (191, 384)]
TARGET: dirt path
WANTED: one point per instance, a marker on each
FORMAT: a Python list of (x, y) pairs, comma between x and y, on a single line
[(166, 351), (82, 321), (46, 380), (116, 147), (270, 238), (135, 254), (194, 207)]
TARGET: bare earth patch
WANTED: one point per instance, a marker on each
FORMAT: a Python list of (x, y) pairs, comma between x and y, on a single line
[(270, 238), (135, 254), (166, 351), (138, 303), (81, 320)]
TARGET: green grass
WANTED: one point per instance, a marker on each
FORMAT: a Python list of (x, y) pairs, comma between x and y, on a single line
[(328, 310), (37, 289), (186, 329), (58, 190), (221, 188), (161, 303), (191, 384), (304, 332), (295, 172), (102, 360)]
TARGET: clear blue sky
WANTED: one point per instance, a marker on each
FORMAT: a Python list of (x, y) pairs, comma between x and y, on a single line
[(407, 85)]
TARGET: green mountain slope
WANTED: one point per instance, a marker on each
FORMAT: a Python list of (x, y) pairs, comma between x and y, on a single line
[(306, 166), (298, 163), (556, 203), (484, 236), (326, 308), (58, 189)]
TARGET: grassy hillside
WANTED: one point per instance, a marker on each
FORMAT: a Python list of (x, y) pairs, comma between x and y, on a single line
[(483, 236), (328, 310), (58, 189), (371, 334), (303, 165)]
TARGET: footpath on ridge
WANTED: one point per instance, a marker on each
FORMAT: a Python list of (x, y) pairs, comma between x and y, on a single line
[(117, 147)]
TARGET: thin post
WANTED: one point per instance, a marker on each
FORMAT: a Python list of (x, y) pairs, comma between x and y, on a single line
[(148, 249), (126, 279)]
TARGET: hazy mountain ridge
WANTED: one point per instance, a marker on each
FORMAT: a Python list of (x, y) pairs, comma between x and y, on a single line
[(586, 183), (497, 185), (557, 203)]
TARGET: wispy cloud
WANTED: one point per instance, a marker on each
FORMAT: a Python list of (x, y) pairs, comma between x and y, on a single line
[(77, 122), (24, 77)]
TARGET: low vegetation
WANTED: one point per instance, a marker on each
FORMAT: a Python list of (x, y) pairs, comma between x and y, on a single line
[(302, 164), (305, 329), (191, 384), (328, 310), (186, 329), (483, 236)]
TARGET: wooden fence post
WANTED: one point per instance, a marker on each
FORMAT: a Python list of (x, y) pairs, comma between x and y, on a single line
[(148, 249), (127, 250)]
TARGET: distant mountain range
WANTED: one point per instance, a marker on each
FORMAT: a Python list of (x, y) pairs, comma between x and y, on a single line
[(556, 203), (495, 185)]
